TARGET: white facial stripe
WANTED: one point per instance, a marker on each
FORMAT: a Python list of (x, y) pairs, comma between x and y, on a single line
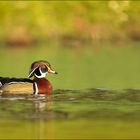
[(32, 72), (43, 75)]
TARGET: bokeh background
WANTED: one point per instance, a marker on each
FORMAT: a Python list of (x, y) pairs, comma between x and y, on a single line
[(95, 48), (92, 44)]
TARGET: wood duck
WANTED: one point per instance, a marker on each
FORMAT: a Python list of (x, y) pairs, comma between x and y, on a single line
[(39, 84)]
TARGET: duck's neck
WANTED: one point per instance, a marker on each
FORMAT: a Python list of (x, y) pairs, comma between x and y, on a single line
[(42, 86)]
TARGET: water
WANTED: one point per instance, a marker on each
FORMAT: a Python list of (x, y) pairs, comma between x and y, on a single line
[(73, 114), (111, 111)]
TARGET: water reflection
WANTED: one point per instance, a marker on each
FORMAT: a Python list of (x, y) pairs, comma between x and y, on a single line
[(44, 104), (73, 104), (67, 111), (26, 107)]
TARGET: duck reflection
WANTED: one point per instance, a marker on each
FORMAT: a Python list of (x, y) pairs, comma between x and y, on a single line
[(44, 126), (43, 103)]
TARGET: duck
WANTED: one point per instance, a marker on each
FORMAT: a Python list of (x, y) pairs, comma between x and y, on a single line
[(36, 82)]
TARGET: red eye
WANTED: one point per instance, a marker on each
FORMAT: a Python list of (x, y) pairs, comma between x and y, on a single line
[(44, 68)]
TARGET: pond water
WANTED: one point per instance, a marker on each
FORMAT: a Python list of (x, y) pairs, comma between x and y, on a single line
[(72, 114)]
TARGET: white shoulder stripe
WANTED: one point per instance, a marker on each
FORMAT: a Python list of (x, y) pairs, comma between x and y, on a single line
[(36, 89), (0, 84)]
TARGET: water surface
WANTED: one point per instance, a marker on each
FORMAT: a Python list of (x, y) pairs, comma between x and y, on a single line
[(73, 114)]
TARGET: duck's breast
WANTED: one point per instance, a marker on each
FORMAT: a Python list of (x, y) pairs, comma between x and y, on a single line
[(43, 86)]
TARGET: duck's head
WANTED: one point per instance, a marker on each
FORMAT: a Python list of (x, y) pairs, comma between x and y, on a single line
[(40, 68)]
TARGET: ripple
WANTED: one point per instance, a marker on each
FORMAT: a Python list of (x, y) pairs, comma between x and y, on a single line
[(73, 104)]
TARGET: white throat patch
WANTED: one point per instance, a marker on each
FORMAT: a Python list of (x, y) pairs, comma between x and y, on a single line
[(43, 75)]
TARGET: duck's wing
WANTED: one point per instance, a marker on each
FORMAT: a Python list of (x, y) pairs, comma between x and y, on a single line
[(16, 85), (7, 80)]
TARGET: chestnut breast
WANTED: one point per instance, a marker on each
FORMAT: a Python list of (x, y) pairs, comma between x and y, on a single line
[(43, 85)]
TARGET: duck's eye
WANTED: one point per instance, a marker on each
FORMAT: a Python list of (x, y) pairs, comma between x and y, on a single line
[(44, 69)]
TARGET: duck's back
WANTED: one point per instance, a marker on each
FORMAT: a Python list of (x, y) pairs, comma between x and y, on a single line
[(16, 85)]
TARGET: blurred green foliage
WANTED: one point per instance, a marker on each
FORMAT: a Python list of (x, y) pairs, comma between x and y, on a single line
[(69, 21)]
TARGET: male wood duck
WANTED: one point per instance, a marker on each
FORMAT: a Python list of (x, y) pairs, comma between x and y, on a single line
[(39, 84)]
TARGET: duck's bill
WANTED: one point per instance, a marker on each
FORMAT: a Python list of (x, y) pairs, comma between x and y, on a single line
[(52, 71)]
